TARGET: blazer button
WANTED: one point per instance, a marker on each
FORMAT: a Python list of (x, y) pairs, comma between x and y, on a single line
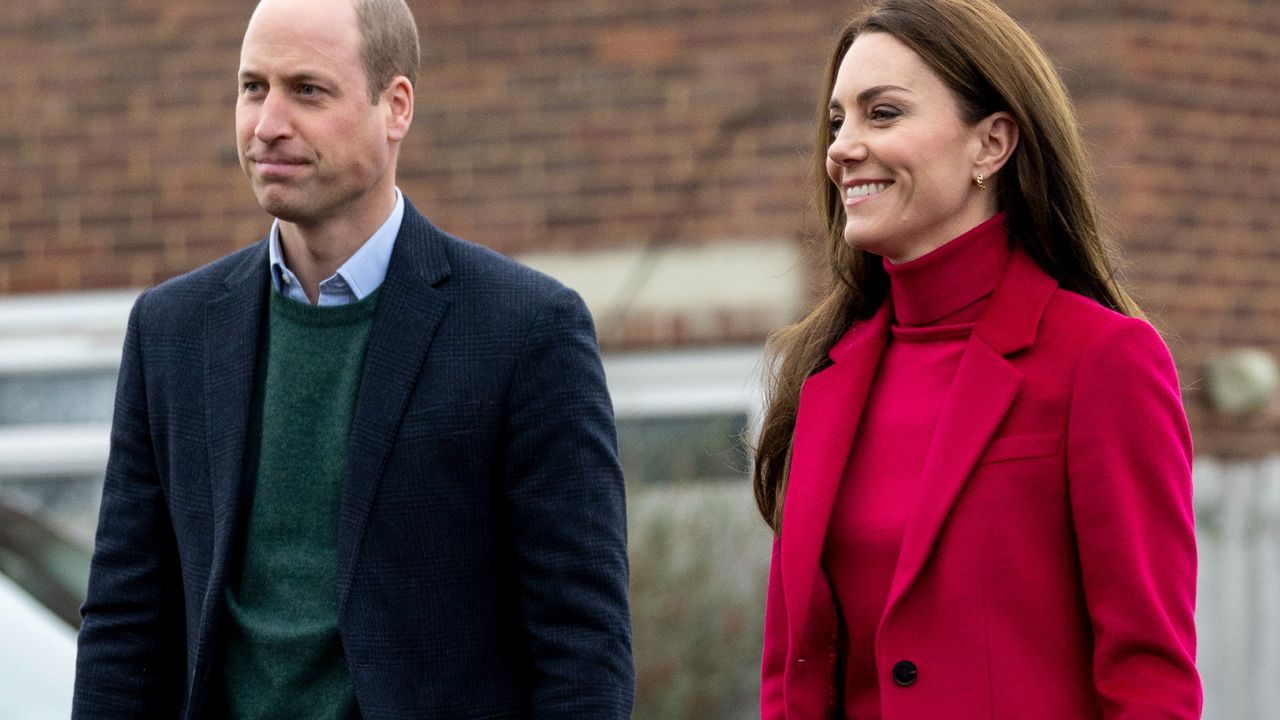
[(905, 673)]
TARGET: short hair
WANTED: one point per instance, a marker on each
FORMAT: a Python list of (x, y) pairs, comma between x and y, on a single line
[(388, 43)]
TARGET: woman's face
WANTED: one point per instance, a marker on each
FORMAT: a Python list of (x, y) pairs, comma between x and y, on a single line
[(901, 156)]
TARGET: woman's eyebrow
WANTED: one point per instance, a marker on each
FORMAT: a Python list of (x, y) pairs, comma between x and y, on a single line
[(867, 95), (870, 93)]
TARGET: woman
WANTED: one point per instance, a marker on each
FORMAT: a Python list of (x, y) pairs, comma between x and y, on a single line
[(974, 452)]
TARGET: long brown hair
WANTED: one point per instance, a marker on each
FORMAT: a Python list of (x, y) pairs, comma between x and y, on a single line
[(992, 65)]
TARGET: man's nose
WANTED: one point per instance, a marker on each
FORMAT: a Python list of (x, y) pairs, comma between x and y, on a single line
[(273, 118)]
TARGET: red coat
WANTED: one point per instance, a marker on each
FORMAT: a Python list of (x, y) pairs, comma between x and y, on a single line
[(1048, 571)]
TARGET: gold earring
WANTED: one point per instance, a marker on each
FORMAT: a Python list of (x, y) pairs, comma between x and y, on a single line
[(981, 182)]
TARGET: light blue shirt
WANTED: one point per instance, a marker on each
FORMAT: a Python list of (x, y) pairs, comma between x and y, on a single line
[(359, 276)]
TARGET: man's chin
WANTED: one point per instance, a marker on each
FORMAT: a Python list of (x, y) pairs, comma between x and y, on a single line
[(288, 209)]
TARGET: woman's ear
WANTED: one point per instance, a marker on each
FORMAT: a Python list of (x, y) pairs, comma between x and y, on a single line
[(997, 136)]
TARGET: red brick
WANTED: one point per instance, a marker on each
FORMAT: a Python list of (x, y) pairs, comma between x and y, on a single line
[(610, 123)]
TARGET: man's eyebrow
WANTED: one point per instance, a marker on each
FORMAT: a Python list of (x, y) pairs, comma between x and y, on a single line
[(868, 95), (300, 76)]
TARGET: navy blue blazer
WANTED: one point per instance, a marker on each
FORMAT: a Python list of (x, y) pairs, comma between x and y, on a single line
[(482, 568)]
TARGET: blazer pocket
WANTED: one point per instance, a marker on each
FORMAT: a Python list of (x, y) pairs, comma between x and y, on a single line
[(445, 420), (1021, 447)]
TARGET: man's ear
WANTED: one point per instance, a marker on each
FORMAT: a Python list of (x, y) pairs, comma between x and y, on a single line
[(997, 136), (399, 99)]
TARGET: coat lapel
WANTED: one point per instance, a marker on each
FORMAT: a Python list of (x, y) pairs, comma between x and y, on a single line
[(985, 387), (831, 403), (408, 312), (232, 325)]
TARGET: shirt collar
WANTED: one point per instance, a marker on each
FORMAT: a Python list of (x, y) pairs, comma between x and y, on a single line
[(358, 277)]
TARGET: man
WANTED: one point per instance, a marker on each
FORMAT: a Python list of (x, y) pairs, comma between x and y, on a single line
[(361, 468)]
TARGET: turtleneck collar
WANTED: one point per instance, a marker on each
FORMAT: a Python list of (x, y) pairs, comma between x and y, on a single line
[(947, 285)]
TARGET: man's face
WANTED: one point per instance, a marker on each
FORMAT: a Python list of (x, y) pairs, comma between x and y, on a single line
[(312, 144)]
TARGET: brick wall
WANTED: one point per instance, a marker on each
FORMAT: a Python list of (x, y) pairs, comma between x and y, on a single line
[(1197, 175), (570, 124), (1180, 102)]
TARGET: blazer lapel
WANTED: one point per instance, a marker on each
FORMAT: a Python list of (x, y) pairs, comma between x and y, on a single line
[(985, 387), (408, 312), (232, 325), (831, 403)]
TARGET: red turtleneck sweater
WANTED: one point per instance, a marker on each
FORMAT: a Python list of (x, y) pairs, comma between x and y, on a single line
[(936, 299)]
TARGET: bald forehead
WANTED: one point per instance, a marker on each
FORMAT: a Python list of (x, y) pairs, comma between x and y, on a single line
[(299, 14), (307, 6), (289, 40)]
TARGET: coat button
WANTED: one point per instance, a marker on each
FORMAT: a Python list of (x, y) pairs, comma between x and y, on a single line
[(905, 672)]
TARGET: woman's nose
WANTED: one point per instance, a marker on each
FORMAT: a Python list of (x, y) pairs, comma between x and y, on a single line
[(847, 146)]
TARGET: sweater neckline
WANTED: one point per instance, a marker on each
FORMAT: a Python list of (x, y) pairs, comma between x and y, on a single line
[(946, 289), (323, 315)]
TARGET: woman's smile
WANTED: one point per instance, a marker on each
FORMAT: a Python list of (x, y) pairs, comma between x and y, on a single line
[(860, 191)]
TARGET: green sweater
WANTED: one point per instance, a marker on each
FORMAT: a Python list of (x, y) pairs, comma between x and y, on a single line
[(284, 656)]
